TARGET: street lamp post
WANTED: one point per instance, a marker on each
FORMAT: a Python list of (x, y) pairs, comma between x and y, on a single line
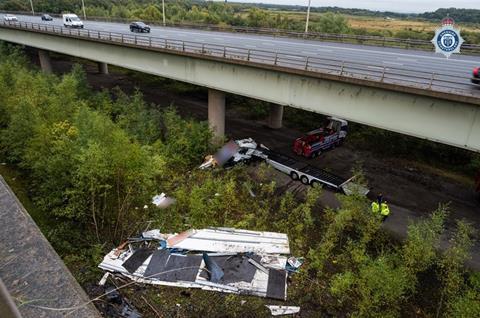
[(163, 12), (31, 4), (83, 8), (308, 16)]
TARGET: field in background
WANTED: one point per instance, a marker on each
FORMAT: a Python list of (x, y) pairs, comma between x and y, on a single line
[(378, 24)]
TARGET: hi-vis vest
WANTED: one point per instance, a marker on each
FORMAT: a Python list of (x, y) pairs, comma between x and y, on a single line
[(383, 209)]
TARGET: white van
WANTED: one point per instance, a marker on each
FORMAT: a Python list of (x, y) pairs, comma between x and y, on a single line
[(72, 21)]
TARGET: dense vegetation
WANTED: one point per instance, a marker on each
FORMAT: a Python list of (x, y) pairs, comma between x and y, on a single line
[(324, 19), (93, 160)]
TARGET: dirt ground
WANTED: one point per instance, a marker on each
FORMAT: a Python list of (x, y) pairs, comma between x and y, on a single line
[(412, 189)]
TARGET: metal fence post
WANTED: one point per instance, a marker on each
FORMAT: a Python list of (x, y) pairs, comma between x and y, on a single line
[(203, 48), (248, 55), (276, 59), (224, 51), (306, 63), (383, 74), (343, 66)]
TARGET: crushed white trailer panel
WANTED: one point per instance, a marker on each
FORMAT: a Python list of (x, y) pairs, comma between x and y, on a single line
[(217, 259), (227, 240)]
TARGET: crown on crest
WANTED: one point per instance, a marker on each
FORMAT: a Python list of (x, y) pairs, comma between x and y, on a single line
[(448, 21)]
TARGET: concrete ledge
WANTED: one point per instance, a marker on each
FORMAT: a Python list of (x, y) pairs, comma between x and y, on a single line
[(32, 271)]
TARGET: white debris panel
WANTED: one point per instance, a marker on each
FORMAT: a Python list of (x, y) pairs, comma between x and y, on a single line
[(283, 310), (225, 240), (219, 259)]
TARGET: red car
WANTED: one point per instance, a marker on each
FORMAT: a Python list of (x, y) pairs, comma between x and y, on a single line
[(476, 76)]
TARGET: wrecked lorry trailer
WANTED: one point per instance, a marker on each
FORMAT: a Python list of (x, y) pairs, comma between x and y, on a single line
[(216, 259), (247, 150)]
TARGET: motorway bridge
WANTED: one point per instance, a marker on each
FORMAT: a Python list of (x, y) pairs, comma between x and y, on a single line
[(411, 92)]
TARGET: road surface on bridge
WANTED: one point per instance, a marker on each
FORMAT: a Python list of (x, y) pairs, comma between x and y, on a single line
[(458, 68)]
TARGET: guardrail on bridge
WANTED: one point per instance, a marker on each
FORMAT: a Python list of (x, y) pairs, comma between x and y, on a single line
[(437, 82)]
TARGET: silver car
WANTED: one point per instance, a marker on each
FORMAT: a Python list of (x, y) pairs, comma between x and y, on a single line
[(10, 17)]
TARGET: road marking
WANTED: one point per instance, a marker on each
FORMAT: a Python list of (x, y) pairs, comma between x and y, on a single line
[(375, 67), (251, 46), (406, 60), (392, 63)]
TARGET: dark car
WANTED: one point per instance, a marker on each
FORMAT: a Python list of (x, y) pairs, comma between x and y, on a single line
[(46, 17), (139, 27), (476, 76)]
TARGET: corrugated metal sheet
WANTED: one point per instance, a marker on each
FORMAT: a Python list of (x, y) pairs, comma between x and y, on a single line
[(260, 272), (227, 240)]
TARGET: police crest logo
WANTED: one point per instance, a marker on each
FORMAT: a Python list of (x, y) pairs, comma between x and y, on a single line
[(447, 39)]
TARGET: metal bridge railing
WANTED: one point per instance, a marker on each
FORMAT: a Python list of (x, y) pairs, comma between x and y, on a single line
[(372, 40), (441, 81)]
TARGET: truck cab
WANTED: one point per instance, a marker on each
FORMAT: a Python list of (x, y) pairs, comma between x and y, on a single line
[(72, 21), (332, 134)]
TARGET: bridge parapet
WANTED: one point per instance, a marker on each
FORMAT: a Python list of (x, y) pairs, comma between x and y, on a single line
[(437, 84), (31, 270)]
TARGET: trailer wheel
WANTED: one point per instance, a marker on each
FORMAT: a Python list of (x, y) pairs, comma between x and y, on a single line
[(294, 175), (304, 180)]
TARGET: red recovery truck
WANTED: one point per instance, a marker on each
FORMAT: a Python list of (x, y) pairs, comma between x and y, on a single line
[(314, 142)]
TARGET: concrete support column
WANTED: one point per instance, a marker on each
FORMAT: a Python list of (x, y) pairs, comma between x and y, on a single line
[(275, 117), (102, 68), (45, 62), (216, 112)]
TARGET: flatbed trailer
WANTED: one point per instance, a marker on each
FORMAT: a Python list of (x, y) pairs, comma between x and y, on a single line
[(247, 150), (308, 174)]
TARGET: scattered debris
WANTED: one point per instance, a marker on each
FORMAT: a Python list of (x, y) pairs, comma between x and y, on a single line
[(232, 153), (283, 310), (162, 201), (104, 279), (293, 264), (218, 259), (119, 306)]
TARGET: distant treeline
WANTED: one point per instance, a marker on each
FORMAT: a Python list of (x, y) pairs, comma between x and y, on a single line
[(459, 15)]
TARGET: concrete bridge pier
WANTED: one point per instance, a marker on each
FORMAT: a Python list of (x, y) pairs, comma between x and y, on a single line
[(102, 68), (275, 117), (216, 112), (45, 62)]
